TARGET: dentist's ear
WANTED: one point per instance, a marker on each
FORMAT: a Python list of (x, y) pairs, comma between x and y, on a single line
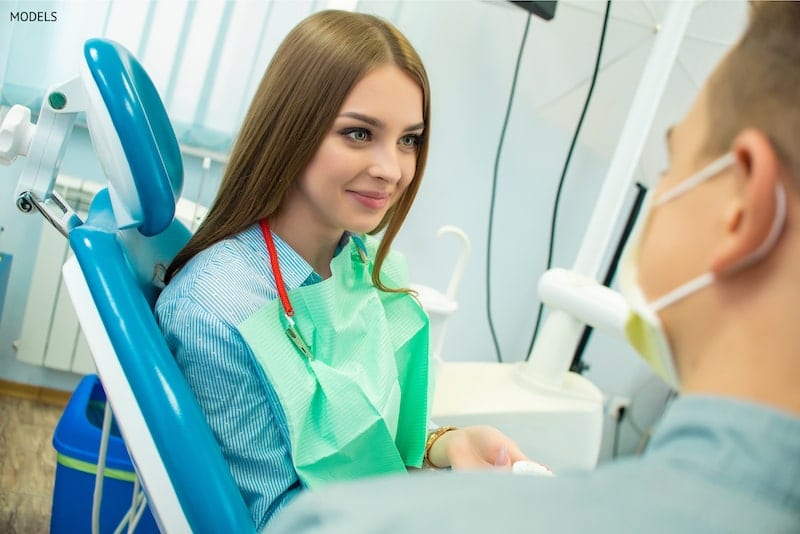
[(751, 214)]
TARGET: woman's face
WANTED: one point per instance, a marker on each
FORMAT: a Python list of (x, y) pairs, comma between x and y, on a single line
[(367, 159)]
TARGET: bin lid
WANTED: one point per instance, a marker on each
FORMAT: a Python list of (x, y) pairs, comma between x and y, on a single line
[(77, 434)]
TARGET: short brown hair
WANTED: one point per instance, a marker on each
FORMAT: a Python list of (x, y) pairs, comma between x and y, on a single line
[(294, 107), (757, 85)]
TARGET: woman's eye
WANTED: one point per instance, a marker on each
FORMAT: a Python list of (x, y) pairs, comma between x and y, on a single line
[(411, 140), (359, 135)]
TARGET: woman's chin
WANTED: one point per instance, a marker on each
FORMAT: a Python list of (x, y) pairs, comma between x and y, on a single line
[(363, 227)]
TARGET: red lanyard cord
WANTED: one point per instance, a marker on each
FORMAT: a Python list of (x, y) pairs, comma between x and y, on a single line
[(276, 268)]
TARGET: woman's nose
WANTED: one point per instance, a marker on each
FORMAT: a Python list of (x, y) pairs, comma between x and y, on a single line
[(386, 164)]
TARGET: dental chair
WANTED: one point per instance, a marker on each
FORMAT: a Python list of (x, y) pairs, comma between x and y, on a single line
[(120, 252)]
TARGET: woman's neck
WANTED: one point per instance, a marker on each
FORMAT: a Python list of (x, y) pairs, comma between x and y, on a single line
[(313, 243)]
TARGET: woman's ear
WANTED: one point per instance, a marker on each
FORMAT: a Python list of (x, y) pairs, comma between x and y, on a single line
[(751, 215)]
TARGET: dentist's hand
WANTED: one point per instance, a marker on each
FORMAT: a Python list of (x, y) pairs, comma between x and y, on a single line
[(475, 447)]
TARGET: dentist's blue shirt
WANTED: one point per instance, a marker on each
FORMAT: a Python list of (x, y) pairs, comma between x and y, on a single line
[(714, 465)]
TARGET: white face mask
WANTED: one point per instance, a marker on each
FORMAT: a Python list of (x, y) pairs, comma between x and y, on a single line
[(643, 329)]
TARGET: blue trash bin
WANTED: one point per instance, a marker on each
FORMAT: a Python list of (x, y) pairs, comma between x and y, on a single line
[(77, 441)]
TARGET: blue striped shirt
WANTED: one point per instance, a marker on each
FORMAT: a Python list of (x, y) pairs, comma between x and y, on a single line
[(198, 312)]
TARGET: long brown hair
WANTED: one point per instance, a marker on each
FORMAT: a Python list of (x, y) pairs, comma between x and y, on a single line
[(294, 107)]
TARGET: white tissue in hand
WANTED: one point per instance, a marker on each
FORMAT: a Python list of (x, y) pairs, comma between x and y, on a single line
[(531, 468)]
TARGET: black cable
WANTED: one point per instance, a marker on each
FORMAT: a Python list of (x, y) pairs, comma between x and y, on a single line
[(566, 167), (617, 425), (494, 192), (577, 364)]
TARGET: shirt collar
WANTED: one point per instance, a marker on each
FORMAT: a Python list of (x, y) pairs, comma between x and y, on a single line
[(744, 443), (295, 270)]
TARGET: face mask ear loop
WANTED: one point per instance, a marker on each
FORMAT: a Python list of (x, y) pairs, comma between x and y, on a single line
[(681, 292), (706, 279), (773, 235), (714, 168)]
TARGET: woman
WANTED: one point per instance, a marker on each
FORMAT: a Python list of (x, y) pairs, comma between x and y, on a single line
[(291, 325)]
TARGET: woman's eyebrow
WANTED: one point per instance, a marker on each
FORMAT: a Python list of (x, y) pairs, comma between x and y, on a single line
[(372, 121)]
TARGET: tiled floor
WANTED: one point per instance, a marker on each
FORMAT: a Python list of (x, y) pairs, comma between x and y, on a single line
[(27, 465)]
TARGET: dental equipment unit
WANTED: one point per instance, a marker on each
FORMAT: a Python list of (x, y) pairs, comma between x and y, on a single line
[(555, 415)]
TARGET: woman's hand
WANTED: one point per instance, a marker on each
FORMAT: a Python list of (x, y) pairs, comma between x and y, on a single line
[(475, 447)]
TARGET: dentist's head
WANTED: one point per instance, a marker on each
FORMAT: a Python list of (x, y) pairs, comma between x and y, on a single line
[(715, 269)]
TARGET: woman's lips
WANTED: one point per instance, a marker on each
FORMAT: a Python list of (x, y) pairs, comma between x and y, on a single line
[(374, 200)]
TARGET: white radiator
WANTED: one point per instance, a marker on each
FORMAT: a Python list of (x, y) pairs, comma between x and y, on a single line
[(50, 333), (51, 336)]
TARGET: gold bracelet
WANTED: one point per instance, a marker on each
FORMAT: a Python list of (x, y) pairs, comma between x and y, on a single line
[(432, 437)]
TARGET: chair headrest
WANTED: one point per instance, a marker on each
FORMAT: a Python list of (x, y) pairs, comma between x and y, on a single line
[(133, 138)]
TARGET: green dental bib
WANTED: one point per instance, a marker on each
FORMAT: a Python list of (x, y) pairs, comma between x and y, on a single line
[(359, 406)]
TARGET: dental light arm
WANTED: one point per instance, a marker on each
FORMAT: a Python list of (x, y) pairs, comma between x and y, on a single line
[(555, 346), (585, 299)]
